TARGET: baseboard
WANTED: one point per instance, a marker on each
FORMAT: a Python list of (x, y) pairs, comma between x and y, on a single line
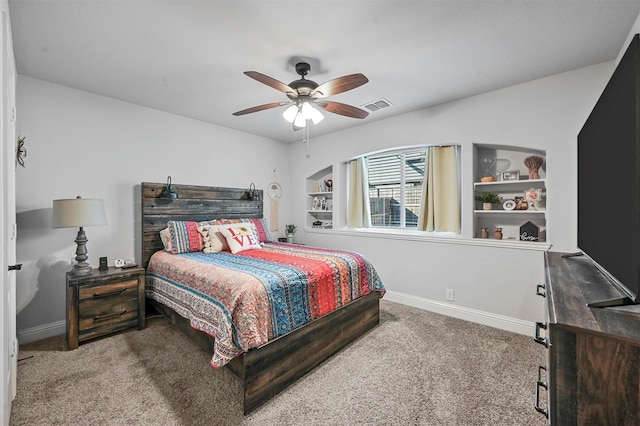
[(486, 318), (40, 332)]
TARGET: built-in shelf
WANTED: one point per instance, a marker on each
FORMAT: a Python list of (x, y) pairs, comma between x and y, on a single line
[(506, 165), (319, 200)]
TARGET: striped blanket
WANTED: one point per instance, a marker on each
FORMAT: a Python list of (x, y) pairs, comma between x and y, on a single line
[(246, 299)]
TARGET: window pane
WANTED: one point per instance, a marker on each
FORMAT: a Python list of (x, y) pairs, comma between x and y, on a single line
[(395, 182)]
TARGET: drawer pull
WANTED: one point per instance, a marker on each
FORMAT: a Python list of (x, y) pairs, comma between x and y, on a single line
[(542, 287), (111, 293), (106, 317), (538, 339), (539, 409)]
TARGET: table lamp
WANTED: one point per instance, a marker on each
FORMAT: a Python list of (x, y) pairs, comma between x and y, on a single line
[(79, 212)]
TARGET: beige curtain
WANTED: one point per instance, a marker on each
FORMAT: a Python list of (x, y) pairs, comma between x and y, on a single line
[(440, 204), (358, 209)]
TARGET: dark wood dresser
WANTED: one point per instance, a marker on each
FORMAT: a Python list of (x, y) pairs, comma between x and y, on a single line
[(103, 303), (593, 371)]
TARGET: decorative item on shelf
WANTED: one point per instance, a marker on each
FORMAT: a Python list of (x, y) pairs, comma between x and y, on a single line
[(317, 224), (329, 185), (497, 233), (169, 191), (529, 232), (78, 213), (290, 230), (509, 205), (487, 179), (21, 151), (511, 175), (533, 196), (484, 233), (533, 163), (502, 165), (319, 203), (521, 204), (488, 161), (488, 199)]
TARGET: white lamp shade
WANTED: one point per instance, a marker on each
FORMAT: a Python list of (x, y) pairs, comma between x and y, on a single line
[(289, 114), (78, 212), (299, 121), (316, 116)]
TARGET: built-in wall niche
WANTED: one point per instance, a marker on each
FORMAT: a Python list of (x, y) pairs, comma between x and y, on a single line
[(319, 199), (518, 176)]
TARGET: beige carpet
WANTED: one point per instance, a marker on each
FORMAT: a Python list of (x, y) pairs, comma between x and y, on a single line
[(415, 368)]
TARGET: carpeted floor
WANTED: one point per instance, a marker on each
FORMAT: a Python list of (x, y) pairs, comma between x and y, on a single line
[(415, 368)]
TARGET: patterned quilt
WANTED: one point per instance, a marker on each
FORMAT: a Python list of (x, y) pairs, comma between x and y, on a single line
[(246, 299)]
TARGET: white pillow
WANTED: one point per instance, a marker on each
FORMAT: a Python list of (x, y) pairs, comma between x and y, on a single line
[(214, 241), (165, 236), (241, 238)]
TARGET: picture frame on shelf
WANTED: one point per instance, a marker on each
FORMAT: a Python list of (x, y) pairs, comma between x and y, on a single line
[(318, 203), (510, 175)]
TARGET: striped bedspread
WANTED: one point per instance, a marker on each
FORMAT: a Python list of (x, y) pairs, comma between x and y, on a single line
[(246, 299)]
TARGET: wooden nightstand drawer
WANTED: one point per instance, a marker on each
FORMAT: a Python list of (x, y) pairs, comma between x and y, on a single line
[(104, 294), (107, 315), (103, 303)]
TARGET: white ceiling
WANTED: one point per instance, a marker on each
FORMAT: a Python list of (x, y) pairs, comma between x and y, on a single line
[(188, 57)]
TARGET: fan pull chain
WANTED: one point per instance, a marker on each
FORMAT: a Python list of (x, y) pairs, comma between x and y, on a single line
[(305, 138)]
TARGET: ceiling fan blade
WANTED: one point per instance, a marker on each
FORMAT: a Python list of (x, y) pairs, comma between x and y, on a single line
[(339, 85), (271, 82), (260, 108), (342, 109)]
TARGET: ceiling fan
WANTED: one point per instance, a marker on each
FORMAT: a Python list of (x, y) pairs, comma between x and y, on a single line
[(305, 95)]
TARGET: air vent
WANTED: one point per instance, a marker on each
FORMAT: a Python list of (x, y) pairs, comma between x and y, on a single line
[(380, 104)]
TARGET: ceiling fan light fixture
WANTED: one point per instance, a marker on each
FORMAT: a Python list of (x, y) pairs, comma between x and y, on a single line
[(307, 110), (316, 116), (300, 121), (290, 113)]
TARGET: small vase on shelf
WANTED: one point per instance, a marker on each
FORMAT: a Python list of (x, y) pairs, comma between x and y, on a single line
[(533, 163)]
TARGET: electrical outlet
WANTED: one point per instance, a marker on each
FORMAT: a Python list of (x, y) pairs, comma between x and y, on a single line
[(449, 294)]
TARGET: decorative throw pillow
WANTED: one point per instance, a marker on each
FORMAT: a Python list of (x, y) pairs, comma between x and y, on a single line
[(213, 240), (261, 229), (165, 237), (241, 238), (184, 236)]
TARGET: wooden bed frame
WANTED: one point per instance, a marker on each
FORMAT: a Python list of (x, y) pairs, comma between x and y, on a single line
[(269, 369)]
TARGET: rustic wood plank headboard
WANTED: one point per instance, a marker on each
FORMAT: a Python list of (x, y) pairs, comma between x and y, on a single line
[(197, 203)]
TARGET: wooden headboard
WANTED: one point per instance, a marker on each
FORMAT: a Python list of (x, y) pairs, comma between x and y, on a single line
[(197, 203)]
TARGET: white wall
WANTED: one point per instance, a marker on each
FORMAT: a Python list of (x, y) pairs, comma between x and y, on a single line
[(493, 285), (82, 144)]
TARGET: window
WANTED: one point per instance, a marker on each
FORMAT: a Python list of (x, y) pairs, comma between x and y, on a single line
[(412, 188), (395, 187)]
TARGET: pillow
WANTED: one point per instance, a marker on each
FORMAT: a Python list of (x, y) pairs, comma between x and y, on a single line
[(165, 236), (213, 241), (261, 229), (241, 238), (184, 236)]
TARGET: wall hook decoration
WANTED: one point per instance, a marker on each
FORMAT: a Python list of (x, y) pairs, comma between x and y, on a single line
[(169, 191), (21, 151)]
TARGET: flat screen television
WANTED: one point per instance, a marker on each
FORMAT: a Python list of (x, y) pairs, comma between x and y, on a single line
[(609, 181)]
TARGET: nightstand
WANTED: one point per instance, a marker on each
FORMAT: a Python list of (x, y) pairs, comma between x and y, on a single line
[(103, 303)]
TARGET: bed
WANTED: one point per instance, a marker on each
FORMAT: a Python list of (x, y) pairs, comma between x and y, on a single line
[(278, 310)]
